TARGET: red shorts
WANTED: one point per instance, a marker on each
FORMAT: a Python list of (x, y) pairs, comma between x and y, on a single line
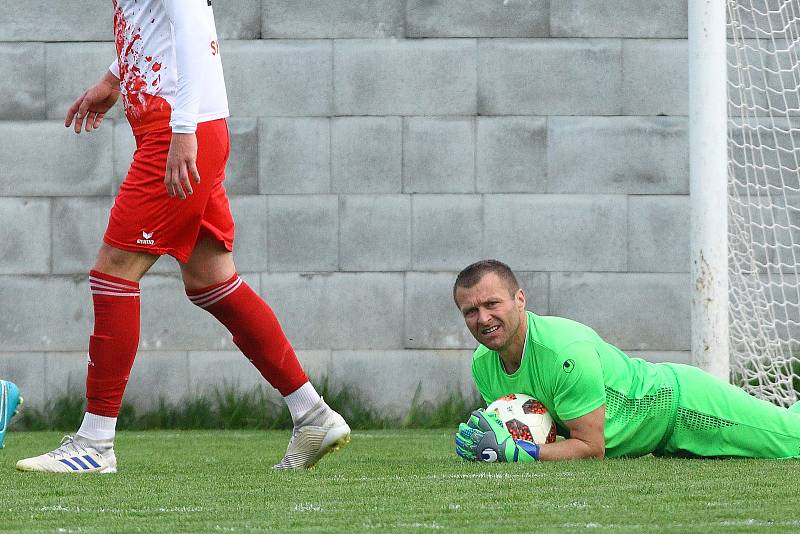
[(145, 218)]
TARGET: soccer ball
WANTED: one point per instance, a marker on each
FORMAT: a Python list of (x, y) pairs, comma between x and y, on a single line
[(525, 418)]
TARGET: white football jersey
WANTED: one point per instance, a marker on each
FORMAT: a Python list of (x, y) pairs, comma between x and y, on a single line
[(168, 63)]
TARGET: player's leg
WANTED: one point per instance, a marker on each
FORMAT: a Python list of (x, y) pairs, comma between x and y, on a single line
[(143, 224), (716, 419), (10, 401), (114, 283), (212, 283)]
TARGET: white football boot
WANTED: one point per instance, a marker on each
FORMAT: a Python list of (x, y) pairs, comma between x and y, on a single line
[(317, 433), (74, 455)]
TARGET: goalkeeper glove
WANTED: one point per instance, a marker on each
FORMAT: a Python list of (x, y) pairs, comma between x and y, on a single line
[(484, 438)]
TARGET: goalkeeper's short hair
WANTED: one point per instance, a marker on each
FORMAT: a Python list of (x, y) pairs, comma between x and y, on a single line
[(473, 273)]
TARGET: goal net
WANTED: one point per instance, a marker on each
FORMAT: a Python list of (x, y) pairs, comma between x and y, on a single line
[(764, 196)]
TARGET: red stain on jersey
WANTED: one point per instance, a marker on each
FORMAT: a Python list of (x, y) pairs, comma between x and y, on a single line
[(132, 42), (144, 108)]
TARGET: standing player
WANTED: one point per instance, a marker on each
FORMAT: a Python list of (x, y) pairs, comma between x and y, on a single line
[(173, 201), (606, 403)]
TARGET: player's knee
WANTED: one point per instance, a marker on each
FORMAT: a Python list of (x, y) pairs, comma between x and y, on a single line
[(123, 263)]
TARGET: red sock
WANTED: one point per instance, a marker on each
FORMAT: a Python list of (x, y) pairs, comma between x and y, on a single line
[(255, 330), (113, 346)]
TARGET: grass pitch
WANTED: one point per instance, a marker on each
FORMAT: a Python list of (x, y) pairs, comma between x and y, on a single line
[(386, 481)]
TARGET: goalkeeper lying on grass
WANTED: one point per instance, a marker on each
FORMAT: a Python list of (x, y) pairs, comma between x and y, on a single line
[(605, 403)]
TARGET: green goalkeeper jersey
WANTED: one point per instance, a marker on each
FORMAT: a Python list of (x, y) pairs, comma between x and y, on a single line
[(572, 371)]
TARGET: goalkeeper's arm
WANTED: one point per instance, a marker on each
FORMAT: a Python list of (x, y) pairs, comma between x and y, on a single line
[(586, 438)]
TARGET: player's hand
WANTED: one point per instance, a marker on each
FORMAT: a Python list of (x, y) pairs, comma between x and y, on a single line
[(89, 109), (484, 439), (181, 165)]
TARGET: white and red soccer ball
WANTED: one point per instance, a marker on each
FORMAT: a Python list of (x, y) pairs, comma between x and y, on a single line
[(525, 418)]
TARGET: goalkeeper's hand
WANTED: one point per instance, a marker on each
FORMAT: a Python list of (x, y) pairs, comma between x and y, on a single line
[(484, 439)]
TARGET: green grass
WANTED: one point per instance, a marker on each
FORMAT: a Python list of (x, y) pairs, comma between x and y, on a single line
[(385, 481), (231, 408)]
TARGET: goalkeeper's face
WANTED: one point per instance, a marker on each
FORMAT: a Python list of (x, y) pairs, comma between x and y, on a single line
[(492, 312)]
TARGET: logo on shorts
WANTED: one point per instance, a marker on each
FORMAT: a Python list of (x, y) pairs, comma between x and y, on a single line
[(569, 365), (147, 239)]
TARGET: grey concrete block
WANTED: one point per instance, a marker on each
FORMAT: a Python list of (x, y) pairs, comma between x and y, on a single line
[(65, 372), (218, 370), (169, 322), (432, 375), (536, 287), (635, 155), (303, 233), (556, 232), (24, 236), (45, 313), (655, 77), (446, 231), (295, 155), (77, 226), (250, 244), (237, 19), (27, 371), (304, 19), (658, 233), (549, 77), (71, 69), (166, 265), (438, 155), (663, 356), (241, 173), (642, 312), (288, 78), (158, 375), (23, 81), (432, 320), (316, 364), (426, 77), (478, 18), (619, 18), (43, 20), (75, 165), (512, 154), (338, 310), (375, 232), (366, 154), (124, 147)]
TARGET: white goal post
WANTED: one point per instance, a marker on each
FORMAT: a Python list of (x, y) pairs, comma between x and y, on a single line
[(744, 120)]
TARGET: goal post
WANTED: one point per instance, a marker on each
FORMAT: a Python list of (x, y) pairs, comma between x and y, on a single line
[(708, 164), (744, 119)]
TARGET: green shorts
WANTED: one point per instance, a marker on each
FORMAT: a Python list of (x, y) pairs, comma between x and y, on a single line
[(716, 419)]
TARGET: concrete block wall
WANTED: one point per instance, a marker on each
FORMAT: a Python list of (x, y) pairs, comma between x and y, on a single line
[(378, 148)]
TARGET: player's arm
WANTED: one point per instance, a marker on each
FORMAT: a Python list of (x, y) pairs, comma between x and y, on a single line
[(586, 438), (188, 21), (89, 109)]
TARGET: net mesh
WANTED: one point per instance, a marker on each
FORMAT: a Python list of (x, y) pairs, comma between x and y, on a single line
[(764, 196)]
